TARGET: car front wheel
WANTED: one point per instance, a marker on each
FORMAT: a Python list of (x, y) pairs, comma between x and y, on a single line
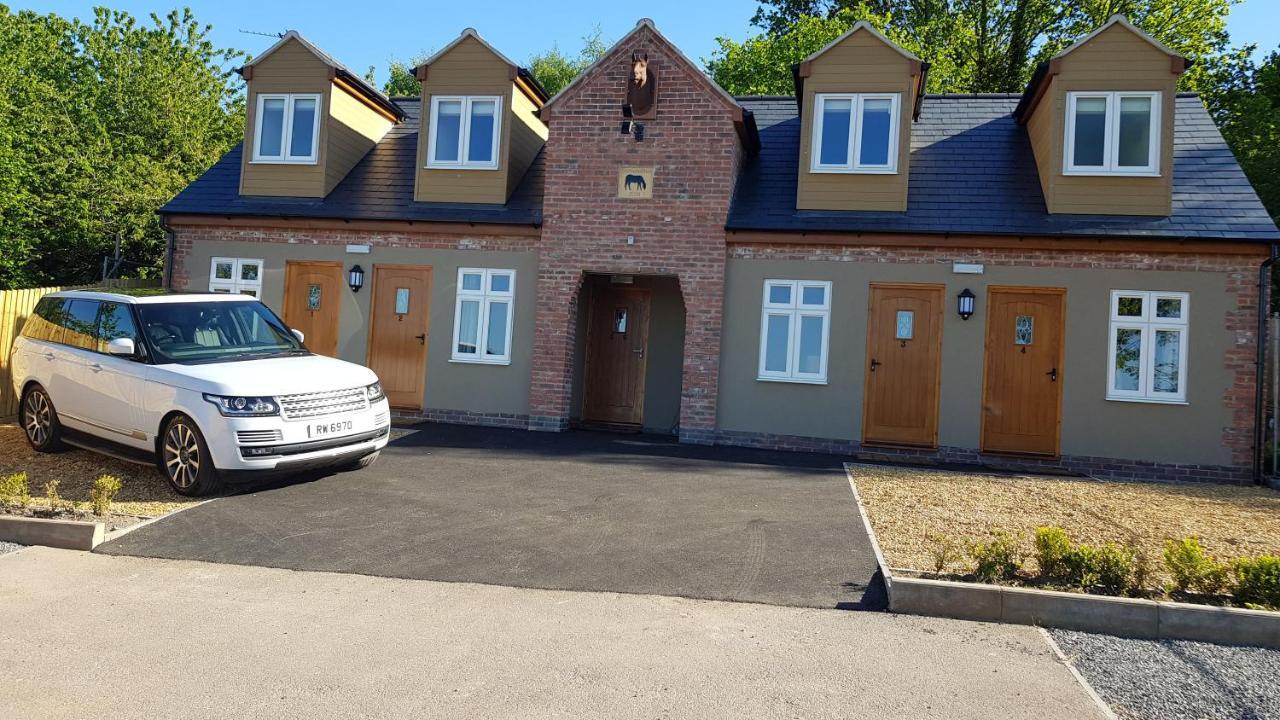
[(40, 421), (185, 460)]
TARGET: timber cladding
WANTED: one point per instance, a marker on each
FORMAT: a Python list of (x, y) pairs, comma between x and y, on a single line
[(292, 68), (860, 63), (696, 153), (1115, 59)]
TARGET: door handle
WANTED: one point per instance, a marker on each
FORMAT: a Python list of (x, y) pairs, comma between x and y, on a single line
[(49, 356), (639, 352), (96, 367), (421, 338), (875, 364), (1053, 375)]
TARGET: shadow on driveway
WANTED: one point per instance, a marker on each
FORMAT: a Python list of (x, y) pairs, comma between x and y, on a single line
[(573, 511)]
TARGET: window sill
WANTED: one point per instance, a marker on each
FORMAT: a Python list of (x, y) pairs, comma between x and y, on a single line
[(284, 162), (853, 171), (477, 361), (794, 381), (461, 167), (1111, 173), (1146, 401)]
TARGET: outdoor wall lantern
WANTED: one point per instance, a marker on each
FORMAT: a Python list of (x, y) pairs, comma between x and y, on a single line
[(355, 278), (964, 303)]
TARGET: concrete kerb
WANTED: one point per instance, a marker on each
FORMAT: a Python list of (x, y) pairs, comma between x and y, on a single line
[(1126, 617), (65, 534)]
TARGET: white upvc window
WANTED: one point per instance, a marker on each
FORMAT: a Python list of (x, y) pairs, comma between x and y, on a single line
[(1113, 133), (464, 132), (482, 316), (286, 128), (1147, 346), (855, 133), (236, 275), (795, 320)]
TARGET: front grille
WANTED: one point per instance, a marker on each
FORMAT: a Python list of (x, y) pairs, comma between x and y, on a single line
[(259, 436), (309, 405)]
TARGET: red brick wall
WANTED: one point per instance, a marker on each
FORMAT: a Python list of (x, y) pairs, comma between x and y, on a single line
[(695, 150), (1241, 323)]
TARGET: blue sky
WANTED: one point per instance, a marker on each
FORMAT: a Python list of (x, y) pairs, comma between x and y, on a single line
[(372, 32)]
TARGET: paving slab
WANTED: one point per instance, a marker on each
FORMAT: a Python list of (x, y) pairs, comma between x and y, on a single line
[(128, 637), (572, 511)]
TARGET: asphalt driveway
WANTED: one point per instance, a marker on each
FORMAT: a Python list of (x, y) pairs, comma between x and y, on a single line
[(571, 511)]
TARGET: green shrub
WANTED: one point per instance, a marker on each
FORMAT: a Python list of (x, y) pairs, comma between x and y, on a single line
[(15, 490), (1052, 548), (1080, 566), (999, 558), (105, 489), (943, 551), (1258, 581), (1194, 569), (1113, 567)]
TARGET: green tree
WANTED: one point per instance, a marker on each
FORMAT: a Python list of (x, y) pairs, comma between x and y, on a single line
[(1244, 98), (400, 80), (554, 70), (101, 123)]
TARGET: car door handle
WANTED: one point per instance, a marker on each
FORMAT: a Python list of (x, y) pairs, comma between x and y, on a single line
[(49, 356), (96, 367)]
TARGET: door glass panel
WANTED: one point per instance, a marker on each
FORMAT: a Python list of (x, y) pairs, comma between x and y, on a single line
[(813, 295), (1168, 373), (876, 132), (1128, 358), (271, 135), (500, 283), (80, 323), (905, 321), (777, 338), (620, 320), (1129, 307), (313, 297), (836, 117), (1135, 132), (1090, 132), (301, 140), (779, 294), (471, 281), (448, 130), (810, 345), (402, 301), (496, 334), (1023, 329), (1169, 308), (481, 135), (469, 327)]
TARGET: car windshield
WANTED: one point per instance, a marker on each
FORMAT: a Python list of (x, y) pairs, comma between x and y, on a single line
[(191, 332)]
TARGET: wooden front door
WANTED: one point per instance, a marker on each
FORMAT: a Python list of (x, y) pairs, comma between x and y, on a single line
[(1022, 383), (904, 351), (617, 342), (313, 303), (399, 323)]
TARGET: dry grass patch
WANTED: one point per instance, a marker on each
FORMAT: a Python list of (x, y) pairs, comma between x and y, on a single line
[(143, 492), (910, 507)]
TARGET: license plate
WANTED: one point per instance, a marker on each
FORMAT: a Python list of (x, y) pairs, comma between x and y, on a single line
[(320, 430)]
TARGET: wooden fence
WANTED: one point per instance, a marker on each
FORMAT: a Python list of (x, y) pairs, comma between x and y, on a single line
[(15, 307)]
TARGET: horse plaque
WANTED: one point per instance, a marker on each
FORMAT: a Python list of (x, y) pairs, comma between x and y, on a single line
[(635, 183)]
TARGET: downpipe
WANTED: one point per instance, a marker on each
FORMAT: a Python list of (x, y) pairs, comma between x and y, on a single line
[(170, 244), (1260, 371)]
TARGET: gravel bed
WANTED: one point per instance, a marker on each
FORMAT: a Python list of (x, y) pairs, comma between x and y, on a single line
[(8, 547), (1177, 679)]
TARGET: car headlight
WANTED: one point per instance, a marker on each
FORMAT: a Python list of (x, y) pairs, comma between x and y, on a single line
[(243, 406), (375, 392)]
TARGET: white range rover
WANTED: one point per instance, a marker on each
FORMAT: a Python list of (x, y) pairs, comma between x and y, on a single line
[(203, 386)]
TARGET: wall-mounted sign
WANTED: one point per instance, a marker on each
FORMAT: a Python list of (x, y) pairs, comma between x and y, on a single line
[(642, 87), (635, 183), (966, 268)]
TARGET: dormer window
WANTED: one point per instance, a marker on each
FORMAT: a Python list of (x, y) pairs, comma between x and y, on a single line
[(464, 132), (855, 133), (1113, 133), (287, 128)]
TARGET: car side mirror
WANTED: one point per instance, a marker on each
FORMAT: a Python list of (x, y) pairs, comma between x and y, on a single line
[(122, 347), (302, 338)]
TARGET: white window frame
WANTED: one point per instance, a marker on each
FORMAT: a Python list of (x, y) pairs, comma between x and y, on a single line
[(794, 311), (853, 163), (485, 297), (284, 158), (464, 132), (1111, 136), (235, 285), (1148, 324)]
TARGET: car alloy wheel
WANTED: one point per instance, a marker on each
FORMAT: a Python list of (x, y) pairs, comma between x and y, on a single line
[(38, 417), (182, 455)]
